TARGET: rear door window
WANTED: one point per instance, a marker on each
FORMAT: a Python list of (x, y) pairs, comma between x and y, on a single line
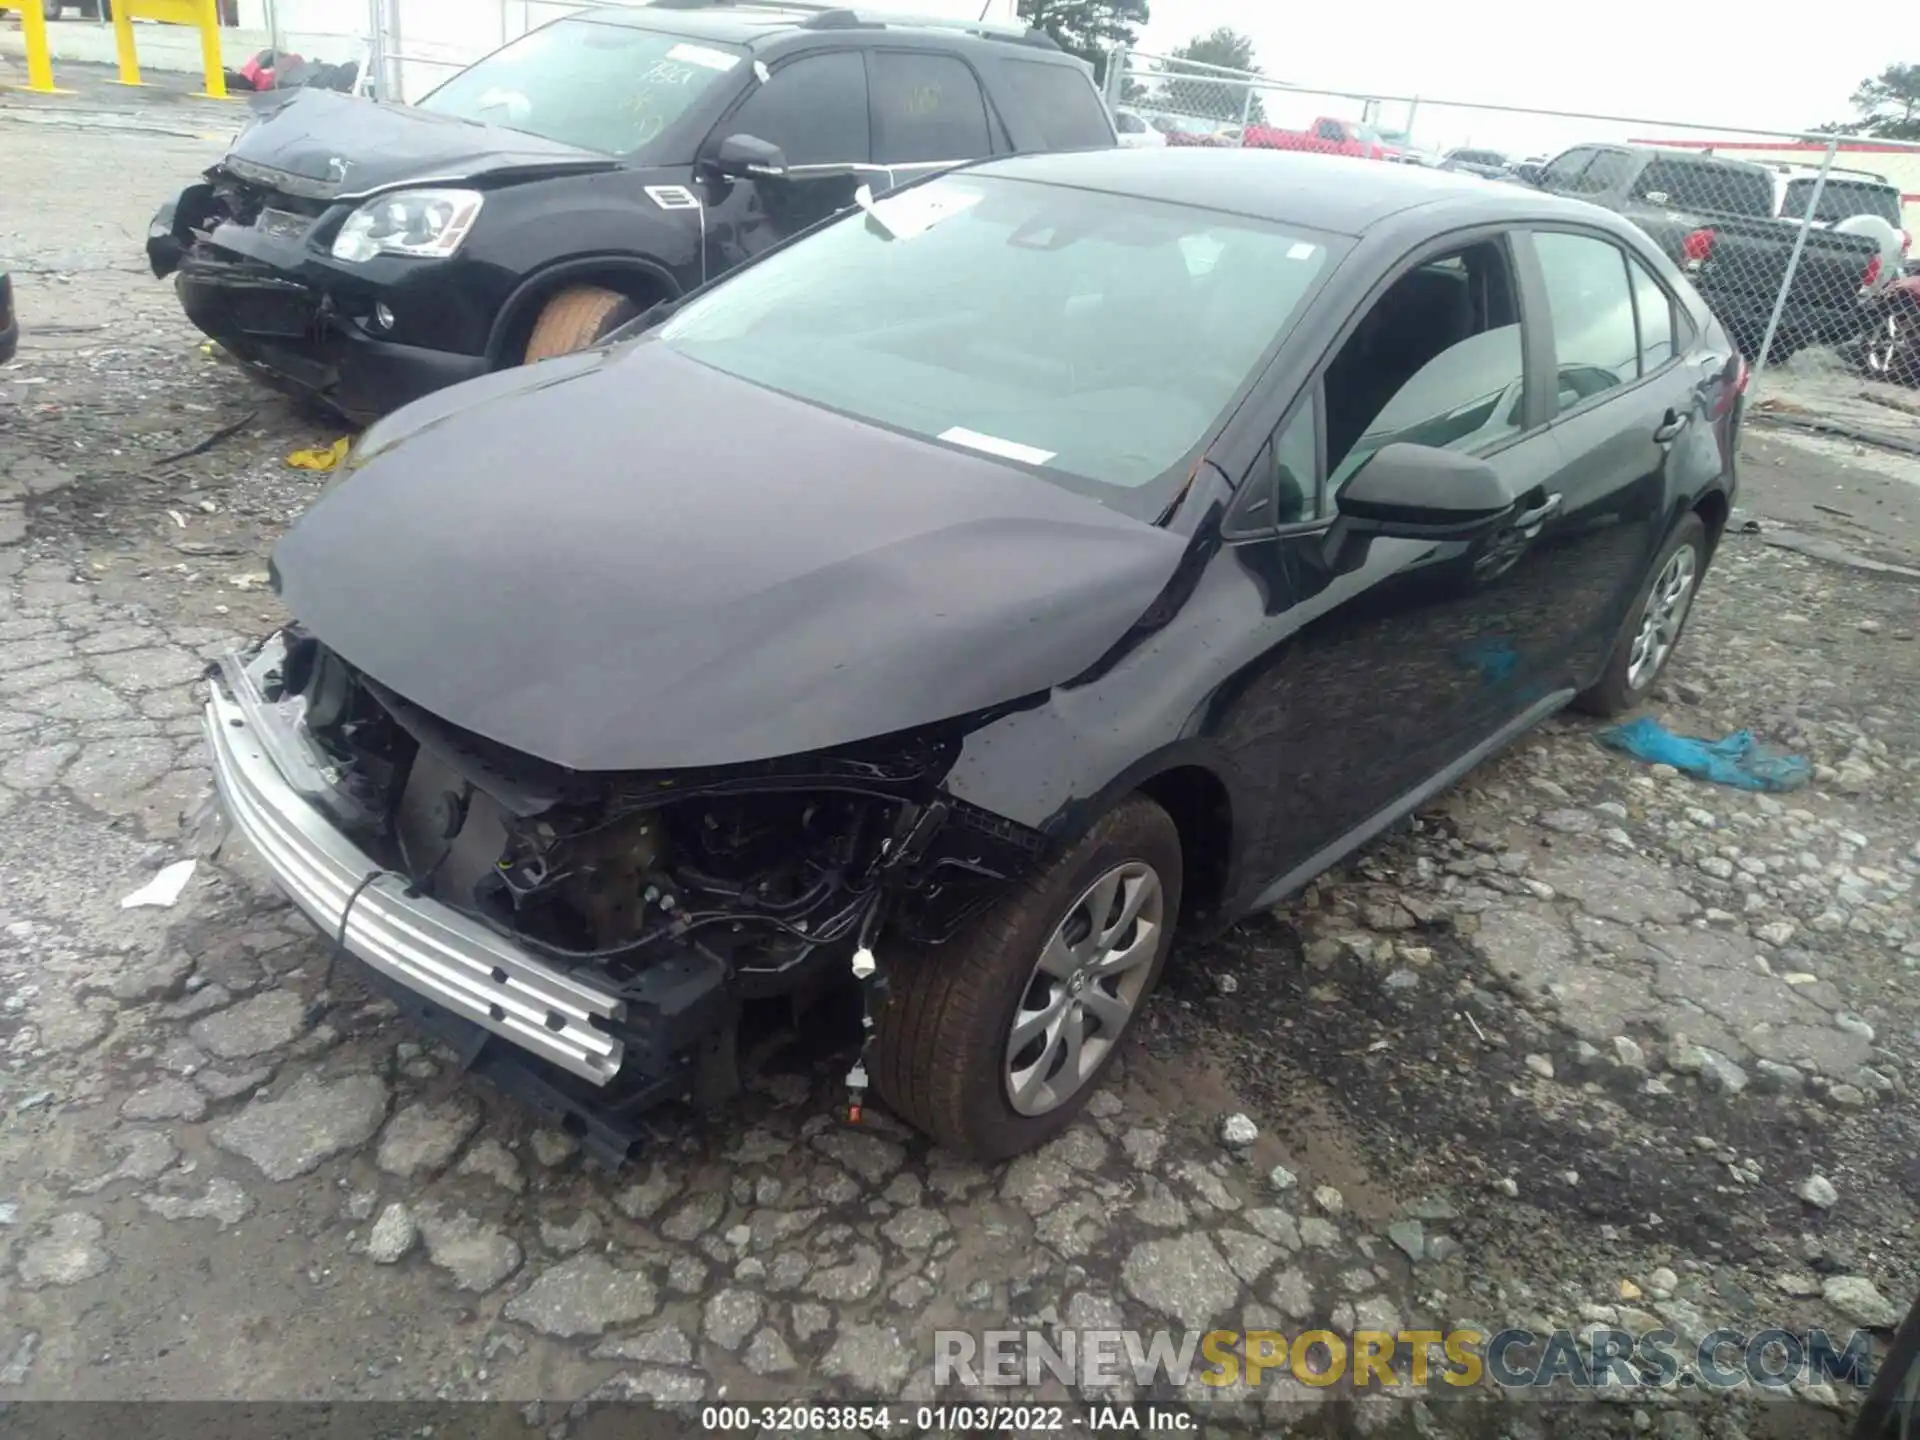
[(814, 108), (1705, 185), (1654, 307), (926, 108), (1564, 172), (1594, 340), (1063, 105)]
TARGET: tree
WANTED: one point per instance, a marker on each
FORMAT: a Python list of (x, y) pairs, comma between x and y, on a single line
[(1889, 106), (1087, 28), (1216, 99)]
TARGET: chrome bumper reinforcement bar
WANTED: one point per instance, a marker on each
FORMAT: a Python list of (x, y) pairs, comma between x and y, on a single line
[(433, 950)]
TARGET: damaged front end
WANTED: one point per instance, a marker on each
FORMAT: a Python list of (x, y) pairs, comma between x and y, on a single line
[(588, 941)]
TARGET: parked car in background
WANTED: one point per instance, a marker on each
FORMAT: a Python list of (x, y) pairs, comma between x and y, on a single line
[(1188, 520), (9, 322), (1135, 133), (1487, 164), (1193, 131), (1715, 218), (370, 253), (1326, 136)]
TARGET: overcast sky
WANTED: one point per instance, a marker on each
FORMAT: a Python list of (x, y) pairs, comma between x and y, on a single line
[(1652, 59)]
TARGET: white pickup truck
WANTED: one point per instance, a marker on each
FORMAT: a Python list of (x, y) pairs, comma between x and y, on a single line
[(1853, 202)]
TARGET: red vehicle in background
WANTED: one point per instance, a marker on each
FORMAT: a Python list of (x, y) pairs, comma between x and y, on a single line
[(1326, 135)]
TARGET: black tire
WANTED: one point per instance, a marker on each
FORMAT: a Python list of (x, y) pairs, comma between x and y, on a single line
[(576, 318), (1615, 692), (1892, 1408), (943, 1034)]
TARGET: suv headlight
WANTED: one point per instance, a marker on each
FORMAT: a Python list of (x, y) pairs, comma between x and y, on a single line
[(431, 224)]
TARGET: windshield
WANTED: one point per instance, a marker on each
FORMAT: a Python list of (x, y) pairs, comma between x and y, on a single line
[(1095, 337), (610, 88), (1842, 200)]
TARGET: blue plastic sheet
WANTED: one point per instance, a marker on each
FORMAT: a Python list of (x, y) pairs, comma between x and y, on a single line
[(1739, 760)]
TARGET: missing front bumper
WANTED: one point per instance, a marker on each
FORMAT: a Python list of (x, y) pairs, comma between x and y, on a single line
[(432, 950)]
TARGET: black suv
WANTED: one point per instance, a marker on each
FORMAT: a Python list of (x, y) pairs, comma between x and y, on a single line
[(369, 253)]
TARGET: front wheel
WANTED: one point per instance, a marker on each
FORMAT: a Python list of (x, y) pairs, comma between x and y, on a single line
[(993, 1042), (1655, 623), (577, 318)]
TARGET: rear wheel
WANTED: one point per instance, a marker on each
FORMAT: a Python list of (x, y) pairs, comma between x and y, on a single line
[(1654, 624), (1893, 346), (993, 1042), (576, 318)]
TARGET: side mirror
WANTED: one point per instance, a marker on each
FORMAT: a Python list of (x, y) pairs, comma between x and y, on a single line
[(1529, 174), (1417, 492), (748, 157)]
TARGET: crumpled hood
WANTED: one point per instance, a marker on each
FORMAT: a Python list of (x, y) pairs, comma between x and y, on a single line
[(642, 563), (333, 146)]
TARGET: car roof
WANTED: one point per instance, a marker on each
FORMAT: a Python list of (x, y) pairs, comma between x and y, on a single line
[(1336, 194), (755, 26)]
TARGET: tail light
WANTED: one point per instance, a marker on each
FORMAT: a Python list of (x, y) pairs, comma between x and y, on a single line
[(1697, 246), (1906, 242), (1873, 273), (1735, 385)]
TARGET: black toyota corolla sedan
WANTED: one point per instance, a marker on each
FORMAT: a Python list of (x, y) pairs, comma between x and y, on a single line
[(969, 597)]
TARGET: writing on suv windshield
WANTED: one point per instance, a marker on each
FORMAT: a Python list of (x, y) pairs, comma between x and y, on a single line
[(1095, 337), (610, 88)]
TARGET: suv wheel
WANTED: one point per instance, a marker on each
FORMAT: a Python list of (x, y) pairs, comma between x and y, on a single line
[(576, 318), (993, 1042)]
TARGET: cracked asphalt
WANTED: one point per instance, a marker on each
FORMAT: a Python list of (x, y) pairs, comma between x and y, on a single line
[(1585, 1042)]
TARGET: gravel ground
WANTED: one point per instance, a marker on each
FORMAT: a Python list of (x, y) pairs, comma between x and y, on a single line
[(1585, 1042)]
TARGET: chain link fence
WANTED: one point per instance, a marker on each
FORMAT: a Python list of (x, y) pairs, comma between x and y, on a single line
[(1801, 244)]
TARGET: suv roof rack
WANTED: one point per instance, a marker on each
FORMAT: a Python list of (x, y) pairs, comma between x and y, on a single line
[(1807, 172), (824, 16)]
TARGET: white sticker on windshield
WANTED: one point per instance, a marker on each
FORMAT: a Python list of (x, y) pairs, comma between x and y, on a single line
[(1301, 250), (914, 212), (701, 55), (994, 445)]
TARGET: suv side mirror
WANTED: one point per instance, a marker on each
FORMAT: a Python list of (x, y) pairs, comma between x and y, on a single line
[(748, 157), (1528, 172), (1418, 492)]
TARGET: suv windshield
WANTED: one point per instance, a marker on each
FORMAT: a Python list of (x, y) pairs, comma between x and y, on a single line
[(1095, 337), (1705, 185), (1842, 200), (610, 88)]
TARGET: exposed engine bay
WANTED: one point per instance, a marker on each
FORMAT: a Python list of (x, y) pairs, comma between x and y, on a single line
[(772, 871)]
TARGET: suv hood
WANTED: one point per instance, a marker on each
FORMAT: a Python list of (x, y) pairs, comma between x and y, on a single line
[(327, 146), (636, 562)]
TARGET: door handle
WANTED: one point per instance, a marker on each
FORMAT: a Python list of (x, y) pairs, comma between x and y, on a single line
[(1545, 510), (1670, 428)]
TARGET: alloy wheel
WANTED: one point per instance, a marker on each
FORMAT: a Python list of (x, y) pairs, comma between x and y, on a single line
[(1885, 347), (1661, 618), (1084, 988)]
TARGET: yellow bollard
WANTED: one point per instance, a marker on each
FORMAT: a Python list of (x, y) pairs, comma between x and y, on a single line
[(39, 57), (202, 15)]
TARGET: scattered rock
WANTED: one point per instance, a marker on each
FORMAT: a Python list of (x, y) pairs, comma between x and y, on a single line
[(1237, 1132), (423, 1138), (1410, 1236), (566, 1239), (1330, 1200), (393, 1235), (768, 1354), (873, 1359), (491, 1160), (1818, 1190), (731, 1316), (165, 1100), (312, 1122), (477, 1256), (265, 1022), (582, 1296), (67, 1252), (1183, 1277), (665, 1345), (1856, 1297), (223, 1202)]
